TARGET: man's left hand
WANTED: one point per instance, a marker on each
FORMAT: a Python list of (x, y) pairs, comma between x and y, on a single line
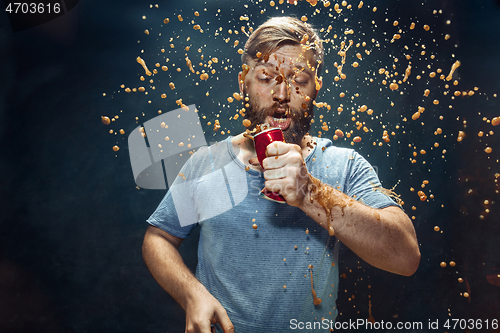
[(286, 172)]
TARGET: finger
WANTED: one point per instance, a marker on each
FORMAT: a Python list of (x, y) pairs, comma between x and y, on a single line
[(224, 321), (289, 159), (278, 148), (271, 174), (274, 162), (254, 161), (275, 185)]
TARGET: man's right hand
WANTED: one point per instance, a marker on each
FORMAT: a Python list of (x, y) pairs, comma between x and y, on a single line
[(202, 311), (160, 251)]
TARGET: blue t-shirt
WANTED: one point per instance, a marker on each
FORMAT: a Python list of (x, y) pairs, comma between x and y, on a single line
[(262, 276)]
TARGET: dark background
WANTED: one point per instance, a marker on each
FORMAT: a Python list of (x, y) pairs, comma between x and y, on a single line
[(72, 219)]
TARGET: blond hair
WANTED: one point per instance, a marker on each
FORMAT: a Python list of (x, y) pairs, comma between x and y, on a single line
[(279, 31)]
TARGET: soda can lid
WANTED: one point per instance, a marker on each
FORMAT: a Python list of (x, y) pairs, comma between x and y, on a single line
[(267, 130)]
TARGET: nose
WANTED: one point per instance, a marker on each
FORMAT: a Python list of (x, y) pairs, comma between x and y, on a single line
[(281, 91)]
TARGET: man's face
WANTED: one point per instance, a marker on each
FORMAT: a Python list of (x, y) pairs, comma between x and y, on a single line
[(281, 91)]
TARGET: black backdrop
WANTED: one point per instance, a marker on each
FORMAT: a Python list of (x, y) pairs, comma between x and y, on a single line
[(72, 220)]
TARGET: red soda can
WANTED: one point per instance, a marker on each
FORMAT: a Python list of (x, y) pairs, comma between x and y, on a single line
[(261, 141)]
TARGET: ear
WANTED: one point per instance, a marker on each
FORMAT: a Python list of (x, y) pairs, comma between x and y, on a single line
[(240, 84), (318, 86)]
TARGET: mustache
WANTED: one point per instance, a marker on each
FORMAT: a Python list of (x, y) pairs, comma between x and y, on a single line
[(289, 111), (257, 115)]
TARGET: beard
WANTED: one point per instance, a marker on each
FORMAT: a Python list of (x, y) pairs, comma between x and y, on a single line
[(300, 124)]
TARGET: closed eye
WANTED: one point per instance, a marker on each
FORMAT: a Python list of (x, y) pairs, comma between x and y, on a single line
[(301, 81)]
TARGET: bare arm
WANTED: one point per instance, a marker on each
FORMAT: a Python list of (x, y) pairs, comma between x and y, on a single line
[(385, 238), (160, 251)]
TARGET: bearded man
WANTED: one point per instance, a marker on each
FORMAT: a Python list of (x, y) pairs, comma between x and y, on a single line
[(265, 266)]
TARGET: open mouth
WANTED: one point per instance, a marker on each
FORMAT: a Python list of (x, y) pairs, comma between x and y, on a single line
[(279, 119)]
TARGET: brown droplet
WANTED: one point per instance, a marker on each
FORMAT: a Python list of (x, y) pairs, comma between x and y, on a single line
[(143, 64), (453, 68), (316, 300)]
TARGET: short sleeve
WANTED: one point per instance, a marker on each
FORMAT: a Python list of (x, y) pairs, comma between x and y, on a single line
[(176, 214), (363, 184)]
